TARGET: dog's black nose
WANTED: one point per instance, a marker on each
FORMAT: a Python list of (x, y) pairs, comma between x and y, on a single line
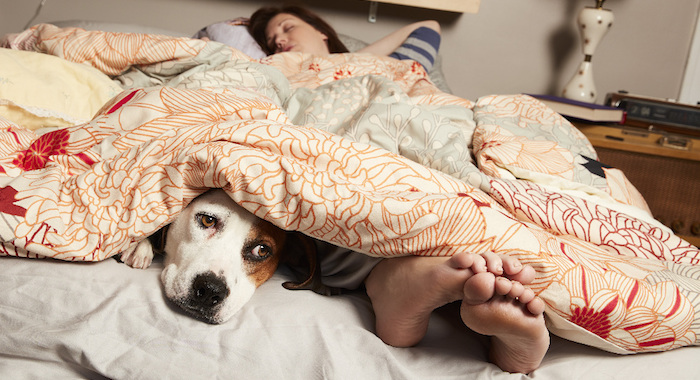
[(208, 290)]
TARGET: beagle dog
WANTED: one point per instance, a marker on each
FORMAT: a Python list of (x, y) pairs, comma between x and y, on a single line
[(217, 254)]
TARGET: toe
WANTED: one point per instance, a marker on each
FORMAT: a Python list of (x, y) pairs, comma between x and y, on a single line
[(515, 270), (536, 306), (511, 265), (494, 263), (526, 296), (462, 260), (503, 286), (516, 290), (479, 264), (479, 288)]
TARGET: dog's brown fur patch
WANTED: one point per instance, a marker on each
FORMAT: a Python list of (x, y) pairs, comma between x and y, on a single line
[(264, 232)]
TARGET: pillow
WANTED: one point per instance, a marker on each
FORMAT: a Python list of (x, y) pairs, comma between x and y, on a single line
[(233, 33), (39, 90)]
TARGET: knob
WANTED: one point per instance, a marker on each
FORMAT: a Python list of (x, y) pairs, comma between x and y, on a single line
[(677, 225), (695, 228)]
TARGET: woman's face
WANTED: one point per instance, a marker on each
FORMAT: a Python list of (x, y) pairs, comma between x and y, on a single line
[(286, 32)]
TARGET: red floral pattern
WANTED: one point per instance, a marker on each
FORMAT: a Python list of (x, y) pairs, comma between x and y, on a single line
[(596, 322), (41, 150)]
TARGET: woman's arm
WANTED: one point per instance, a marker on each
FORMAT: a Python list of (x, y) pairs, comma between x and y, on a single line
[(388, 44)]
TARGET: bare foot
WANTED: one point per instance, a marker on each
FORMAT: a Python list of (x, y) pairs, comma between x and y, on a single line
[(404, 291), (511, 315)]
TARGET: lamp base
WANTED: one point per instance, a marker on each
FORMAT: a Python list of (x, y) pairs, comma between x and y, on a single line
[(581, 87), (593, 24)]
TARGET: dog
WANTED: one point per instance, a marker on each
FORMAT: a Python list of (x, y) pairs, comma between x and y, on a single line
[(217, 254)]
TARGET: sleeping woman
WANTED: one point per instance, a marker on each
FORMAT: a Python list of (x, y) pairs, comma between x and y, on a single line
[(419, 41), (495, 300)]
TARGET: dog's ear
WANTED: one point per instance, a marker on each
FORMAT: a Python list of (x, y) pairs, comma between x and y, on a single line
[(158, 240), (301, 255)]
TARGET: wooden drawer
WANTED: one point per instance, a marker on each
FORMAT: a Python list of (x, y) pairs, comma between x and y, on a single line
[(664, 168)]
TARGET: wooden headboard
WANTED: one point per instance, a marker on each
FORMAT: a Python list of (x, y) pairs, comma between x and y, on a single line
[(461, 6)]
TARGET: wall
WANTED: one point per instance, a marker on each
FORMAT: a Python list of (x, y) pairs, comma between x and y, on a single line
[(510, 46)]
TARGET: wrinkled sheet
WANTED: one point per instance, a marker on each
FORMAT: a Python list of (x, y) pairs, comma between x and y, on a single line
[(360, 151), (64, 320)]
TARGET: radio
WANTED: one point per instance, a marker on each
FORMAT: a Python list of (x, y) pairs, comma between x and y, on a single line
[(655, 114)]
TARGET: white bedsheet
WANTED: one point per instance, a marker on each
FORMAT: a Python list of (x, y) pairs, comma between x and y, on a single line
[(121, 327)]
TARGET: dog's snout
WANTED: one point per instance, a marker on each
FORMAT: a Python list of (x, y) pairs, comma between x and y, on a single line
[(208, 290)]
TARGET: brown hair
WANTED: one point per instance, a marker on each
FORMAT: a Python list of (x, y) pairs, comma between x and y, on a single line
[(261, 17)]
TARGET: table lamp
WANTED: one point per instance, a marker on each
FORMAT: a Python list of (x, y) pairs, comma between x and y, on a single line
[(593, 23)]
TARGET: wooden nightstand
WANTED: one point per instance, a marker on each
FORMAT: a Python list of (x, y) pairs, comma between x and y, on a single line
[(665, 168)]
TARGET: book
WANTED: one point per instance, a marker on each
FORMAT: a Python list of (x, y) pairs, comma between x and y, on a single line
[(582, 110)]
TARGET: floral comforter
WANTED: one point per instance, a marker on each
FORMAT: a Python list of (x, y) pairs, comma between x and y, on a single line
[(360, 151)]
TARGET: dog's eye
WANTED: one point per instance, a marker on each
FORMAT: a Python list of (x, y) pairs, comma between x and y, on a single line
[(260, 251), (206, 221)]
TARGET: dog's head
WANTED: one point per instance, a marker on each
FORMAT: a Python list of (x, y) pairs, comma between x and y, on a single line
[(216, 255)]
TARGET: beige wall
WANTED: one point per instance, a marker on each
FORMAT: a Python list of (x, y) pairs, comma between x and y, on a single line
[(510, 46)]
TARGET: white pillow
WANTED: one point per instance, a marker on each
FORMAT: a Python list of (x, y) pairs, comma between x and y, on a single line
[(233, 33)]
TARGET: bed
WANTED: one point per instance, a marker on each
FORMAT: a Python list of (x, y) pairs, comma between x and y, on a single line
[(364, 153)]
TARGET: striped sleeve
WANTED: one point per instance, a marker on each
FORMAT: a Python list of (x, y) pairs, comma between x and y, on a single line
[(421, 46)]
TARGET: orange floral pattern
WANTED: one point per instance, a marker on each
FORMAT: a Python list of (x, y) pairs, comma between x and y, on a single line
[(88, 192)]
